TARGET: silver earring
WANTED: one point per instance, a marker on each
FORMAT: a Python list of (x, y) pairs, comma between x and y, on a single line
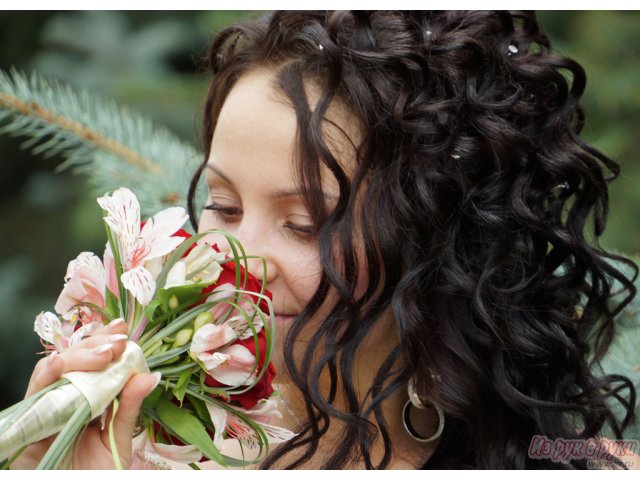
[(415, 401)]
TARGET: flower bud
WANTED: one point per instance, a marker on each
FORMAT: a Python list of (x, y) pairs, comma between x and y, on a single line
[(202, 319), (183, 337), (173, 302)]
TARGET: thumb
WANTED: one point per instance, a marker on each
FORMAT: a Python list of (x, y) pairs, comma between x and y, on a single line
[(124, 424)]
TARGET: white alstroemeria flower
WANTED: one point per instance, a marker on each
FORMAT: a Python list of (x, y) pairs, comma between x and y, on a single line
[(50, 329), (138, 246), (161, 455), (85, 281), (201, 265), (262, 413)]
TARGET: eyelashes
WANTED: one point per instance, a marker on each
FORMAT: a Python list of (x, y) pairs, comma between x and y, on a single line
[(221, 211), (228, 215)]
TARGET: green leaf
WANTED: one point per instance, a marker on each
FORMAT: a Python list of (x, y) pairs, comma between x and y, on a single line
[(150, 309), (111, 304), (201, 409), (181, 386), (189, 429), (186, 294), (158, 359), (151, 401), (113, 243)]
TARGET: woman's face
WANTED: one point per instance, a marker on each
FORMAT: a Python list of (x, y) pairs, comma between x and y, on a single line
[(253, 193)]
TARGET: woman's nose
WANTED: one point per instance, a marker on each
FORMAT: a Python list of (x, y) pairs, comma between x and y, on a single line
[(256, 245)]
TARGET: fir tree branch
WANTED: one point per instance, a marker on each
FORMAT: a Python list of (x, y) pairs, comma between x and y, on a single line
[(34, 110), (111, 145)]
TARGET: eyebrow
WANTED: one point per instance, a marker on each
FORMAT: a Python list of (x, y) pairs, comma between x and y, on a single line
[(280, 194)]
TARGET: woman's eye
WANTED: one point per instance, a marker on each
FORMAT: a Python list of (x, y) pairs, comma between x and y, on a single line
[(224, 213), (302, 233)]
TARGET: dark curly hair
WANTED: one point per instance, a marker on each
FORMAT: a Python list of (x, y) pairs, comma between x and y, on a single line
[(479, 190)]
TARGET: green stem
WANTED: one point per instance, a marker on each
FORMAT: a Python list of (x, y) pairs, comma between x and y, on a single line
[(173, 370), (112, 437), (8, 463)]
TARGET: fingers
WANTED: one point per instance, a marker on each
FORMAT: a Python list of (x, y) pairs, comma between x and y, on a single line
[(91, 354), (131, 397), (47, 371)]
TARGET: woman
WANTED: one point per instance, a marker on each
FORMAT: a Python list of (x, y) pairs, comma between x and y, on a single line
[(405, 176)]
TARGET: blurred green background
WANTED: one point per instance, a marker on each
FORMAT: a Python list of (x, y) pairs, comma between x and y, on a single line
[(150, 61)]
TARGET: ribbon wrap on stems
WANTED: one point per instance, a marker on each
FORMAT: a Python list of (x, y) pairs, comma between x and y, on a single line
[(100, 388), (49, 414)]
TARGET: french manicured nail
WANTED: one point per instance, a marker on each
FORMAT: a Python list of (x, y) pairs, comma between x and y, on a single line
[(158, 377), (100, 349), (116, 323), (51, 358), (116, 337)]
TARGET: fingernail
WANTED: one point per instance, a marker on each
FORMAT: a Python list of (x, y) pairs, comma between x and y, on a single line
[(51, 358), (116, 337), (158, 377), (117, 322), (100, 349)]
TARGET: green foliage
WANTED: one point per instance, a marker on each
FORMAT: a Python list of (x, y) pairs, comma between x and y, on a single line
[(112, 145)]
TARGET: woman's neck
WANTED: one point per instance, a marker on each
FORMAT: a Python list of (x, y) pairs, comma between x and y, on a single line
[(407, 453)]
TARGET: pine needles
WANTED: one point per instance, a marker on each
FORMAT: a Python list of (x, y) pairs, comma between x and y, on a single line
[(111, 145)]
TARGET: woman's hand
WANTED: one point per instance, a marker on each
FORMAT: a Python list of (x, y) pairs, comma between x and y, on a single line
[(92, 354)]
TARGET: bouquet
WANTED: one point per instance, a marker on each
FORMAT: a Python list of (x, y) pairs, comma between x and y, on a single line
[(194, 315)]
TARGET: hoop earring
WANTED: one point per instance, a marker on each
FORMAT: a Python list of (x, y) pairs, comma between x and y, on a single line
[(414, 401)]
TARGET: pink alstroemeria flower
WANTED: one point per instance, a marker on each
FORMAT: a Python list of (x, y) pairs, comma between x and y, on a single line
[(232, 365), (139, 247), (85, 282), (226, 291), (228, 364), (262, 413)]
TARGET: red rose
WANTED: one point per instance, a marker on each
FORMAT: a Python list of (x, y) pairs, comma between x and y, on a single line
[(228, 275), (186, 235)]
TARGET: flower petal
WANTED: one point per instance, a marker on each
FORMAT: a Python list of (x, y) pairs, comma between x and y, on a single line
[(238, 369), (83, 331), (177, 453), (277, 434), (219, 420), (49, 328), (213, 360), (177, 275), (158, 230), (240, 325), (210, 337), (140, 282), (110, 271), (265, 409), (124, 219)]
